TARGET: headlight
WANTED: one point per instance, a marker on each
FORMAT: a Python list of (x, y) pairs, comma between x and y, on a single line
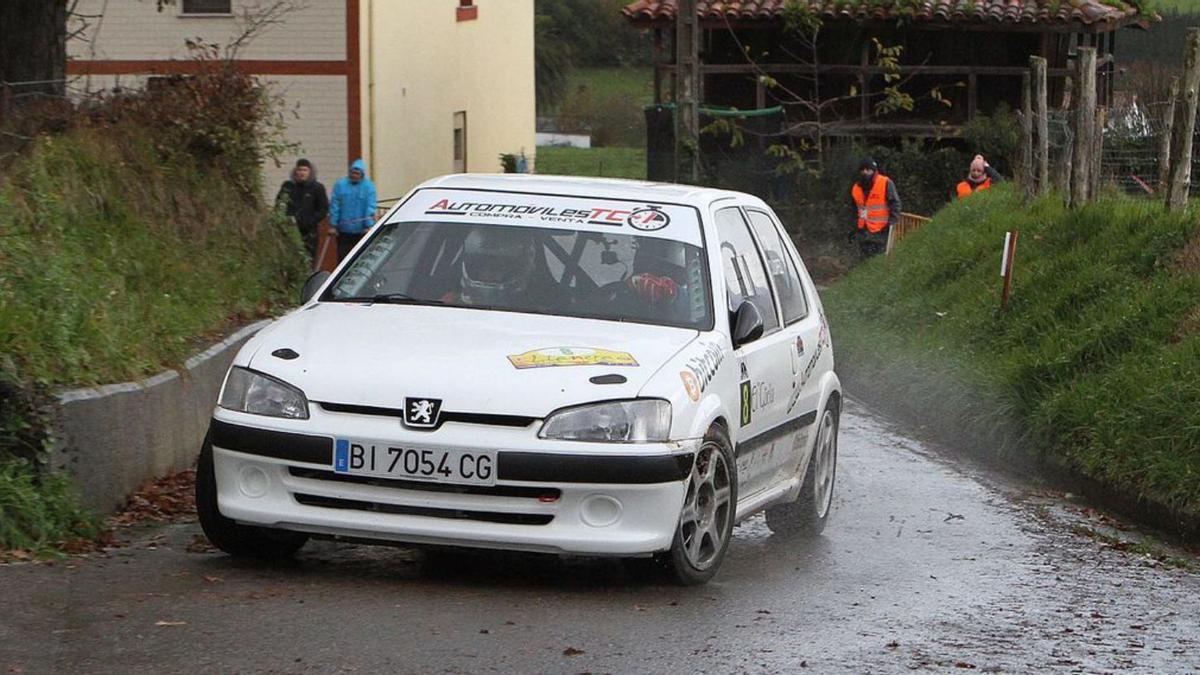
[(251, 392), (640, 421)]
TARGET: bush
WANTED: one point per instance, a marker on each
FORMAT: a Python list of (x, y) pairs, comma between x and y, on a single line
[(611, 118)]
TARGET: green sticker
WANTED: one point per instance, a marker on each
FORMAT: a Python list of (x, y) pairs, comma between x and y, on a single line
[(746, 403)]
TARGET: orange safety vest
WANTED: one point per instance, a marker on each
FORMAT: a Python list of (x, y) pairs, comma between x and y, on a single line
[(965, 190), (872, 208)]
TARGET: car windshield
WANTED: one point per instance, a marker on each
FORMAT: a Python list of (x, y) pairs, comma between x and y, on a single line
[(616, 277)]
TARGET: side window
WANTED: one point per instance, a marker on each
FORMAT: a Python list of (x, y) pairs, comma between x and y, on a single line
[(782, 267), (745, 277)]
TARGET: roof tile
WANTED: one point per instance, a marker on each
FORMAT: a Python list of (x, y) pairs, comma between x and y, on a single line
[(957, 11)]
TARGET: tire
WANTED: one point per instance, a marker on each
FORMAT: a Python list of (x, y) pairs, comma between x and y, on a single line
[(706, 519), (806, 517), (239, 541)]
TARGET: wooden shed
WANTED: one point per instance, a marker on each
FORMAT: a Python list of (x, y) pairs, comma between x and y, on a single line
[(971, 52)]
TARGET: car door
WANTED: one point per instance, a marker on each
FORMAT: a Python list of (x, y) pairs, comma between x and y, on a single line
[(764, 364), (803, 329)]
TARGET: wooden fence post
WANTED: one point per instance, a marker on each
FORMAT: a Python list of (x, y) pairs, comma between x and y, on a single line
[(1085, 126), (1042, 115), (1025, 175), (687, 93), (6, 100), (1164, 143), (1181, 165), (1097, 153)]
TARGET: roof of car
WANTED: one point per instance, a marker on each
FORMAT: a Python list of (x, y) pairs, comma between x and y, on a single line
[(613, 188)]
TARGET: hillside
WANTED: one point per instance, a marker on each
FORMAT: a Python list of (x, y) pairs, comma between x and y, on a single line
[(1094, 369), (120, 256)]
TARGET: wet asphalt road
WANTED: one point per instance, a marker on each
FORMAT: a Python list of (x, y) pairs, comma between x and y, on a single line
[(924, 566)]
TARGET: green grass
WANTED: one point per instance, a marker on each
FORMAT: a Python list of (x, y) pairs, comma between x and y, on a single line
[(37, 512), (605, 162), (114, 265), (1176, 5), (1096, 364), (636, 84)]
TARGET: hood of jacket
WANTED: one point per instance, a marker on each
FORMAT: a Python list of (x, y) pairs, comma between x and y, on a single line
[(360, 165)]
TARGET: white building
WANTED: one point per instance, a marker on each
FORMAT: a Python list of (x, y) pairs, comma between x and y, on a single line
[(417, 88)]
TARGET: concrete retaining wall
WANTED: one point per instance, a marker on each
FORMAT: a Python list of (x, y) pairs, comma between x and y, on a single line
[(114, 438)]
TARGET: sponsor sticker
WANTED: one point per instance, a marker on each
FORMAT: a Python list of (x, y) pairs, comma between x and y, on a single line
[(553, 357), (648, 219), (703, 366), (690, 384)]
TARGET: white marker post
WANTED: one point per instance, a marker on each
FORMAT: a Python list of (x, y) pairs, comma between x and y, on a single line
[(1006, 265)]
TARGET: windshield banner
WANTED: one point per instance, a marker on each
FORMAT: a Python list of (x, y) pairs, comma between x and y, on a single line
[(662, 221)]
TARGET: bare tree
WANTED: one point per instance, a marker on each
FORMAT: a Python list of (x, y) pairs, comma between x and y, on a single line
[(33, 49)]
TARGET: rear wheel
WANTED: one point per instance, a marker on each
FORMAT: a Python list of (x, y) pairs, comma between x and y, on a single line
[(237, 540), (706, 520), (808, 514)]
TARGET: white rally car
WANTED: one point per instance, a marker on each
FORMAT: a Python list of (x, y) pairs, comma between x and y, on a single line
[(576, 366)]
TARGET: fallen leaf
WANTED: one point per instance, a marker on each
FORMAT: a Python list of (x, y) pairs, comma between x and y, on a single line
[(212, 580), (200, 545), (571, 651), (170, 623), (964, 664), (892, 645)]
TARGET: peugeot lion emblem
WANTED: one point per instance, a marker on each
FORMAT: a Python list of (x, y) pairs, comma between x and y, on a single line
[(422, 413)]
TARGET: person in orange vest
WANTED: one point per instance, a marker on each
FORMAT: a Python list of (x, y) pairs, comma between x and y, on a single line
[(980, 177), (876, 207)]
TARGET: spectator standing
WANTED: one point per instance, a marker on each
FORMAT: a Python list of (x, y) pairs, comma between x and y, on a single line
[(877, 208), (352, 208), (306, 202), (980, 176)]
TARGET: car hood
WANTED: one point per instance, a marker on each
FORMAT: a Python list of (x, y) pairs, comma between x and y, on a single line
[(476, 361)]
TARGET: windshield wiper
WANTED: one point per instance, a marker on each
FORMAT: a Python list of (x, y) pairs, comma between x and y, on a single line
[(392, 299)]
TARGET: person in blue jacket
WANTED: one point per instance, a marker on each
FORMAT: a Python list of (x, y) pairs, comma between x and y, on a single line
[(352, 207)]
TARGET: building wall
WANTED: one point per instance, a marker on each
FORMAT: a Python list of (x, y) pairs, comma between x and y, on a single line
[(420, 65), (302, 60), (133, 29), (316, 119)]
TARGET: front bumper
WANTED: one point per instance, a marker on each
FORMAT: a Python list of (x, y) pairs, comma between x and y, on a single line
[(560, 497)]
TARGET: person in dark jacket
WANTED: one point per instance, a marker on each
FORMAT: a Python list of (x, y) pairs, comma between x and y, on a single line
[(352, 209), (307, 203), (876, 208)]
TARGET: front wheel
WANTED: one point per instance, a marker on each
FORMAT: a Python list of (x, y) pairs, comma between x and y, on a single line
[(808, 514), (706, 520), (237, 540)]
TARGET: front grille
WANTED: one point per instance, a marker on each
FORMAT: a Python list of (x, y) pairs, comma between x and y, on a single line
[(456, 514), (516, 421), (544, 494)]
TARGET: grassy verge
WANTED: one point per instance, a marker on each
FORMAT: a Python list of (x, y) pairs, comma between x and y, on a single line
[(114, 264), (605, 162), (1095, 367), (38, 512)]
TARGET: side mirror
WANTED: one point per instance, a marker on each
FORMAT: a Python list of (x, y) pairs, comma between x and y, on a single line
[(747, 324), (313, 285)]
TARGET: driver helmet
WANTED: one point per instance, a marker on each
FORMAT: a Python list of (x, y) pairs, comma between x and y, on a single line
[(497, 264), (662, 258)]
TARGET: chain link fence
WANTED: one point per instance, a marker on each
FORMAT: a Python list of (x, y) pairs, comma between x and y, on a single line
[(1132, 157)]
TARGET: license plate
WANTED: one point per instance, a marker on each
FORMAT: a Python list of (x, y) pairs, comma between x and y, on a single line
[(435, 465)]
